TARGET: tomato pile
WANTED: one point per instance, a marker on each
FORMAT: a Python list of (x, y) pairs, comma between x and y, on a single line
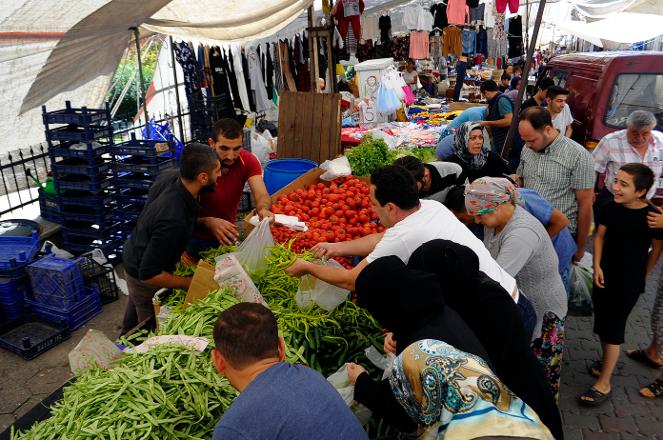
[(339, 212)]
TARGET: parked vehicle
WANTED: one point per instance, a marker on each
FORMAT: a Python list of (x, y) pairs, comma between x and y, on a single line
[(605, 87)]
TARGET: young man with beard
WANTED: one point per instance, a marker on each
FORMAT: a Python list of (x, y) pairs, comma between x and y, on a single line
[(163, 231), (216, 224)]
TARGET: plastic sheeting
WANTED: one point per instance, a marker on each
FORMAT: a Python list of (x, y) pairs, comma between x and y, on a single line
[(626, 27)]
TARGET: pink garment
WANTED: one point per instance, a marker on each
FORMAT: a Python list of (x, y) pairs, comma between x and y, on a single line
[(419, 45), (458, 11), (500, 5)]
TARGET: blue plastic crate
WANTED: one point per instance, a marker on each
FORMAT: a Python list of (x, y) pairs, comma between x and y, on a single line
[(132, 196), (143, 147), (17, 252), (73, 165), (83, 183), (12, 311), (97, 215), (49, 208), (140, 164), (86, 198), (79, 116), (82, 150), (56, 281), (130, 213), (79, 244), (90, 229), (133, 181), (76, 315), (31, 336), (13, 289), (79, 133)]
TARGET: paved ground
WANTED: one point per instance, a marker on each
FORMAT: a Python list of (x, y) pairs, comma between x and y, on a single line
[(628, 416)]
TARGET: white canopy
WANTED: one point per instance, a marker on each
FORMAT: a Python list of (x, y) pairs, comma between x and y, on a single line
[(625, 27)]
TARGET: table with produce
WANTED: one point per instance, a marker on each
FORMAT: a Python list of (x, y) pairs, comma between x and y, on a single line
[(173, 391)]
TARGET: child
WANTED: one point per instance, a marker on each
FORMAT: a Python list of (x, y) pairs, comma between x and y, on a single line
[(621, 263)]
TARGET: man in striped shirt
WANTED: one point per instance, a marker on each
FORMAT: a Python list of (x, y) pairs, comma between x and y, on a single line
[(638, 143)]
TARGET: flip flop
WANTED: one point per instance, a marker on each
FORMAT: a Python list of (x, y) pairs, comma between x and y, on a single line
[(594, 368), (597, 398), (640, 356), (656, 388)]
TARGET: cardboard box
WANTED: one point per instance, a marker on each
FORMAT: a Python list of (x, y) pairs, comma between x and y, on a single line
[(463, 106)]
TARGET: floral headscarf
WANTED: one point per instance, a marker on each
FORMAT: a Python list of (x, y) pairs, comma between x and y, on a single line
[(453, 394), (460, 146), (485, 194)]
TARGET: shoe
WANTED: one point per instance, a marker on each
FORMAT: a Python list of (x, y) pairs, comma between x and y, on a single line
[(641, 356), (655, 388), (594, 368), (593, 397)]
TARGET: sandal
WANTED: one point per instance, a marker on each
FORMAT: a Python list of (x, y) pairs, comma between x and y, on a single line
[(640, 356), (597, 398), (594, 368), (655, 388)]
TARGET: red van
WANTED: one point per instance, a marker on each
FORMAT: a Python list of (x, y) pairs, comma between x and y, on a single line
[(605, 87)]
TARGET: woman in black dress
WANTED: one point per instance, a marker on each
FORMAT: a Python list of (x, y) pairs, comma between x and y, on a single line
[(472, 151)]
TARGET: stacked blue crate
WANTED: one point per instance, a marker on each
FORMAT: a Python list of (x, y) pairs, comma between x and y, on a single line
[(136, 164), (79, 147), (15, 254)]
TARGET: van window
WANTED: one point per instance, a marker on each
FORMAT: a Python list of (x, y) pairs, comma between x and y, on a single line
[(635, 91), (559, 77)]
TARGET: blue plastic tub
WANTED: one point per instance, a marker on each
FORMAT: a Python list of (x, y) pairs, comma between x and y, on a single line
[(16, 253), (75, 316), (14, 289), (280, 172)]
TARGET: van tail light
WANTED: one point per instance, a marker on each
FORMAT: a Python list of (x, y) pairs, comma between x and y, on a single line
[(590, 144)]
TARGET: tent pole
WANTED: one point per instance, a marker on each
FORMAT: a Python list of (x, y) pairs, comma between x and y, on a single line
[(142, 80), (523, 83), (177, 88)]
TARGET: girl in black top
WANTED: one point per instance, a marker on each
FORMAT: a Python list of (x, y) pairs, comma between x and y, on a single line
[(473, 153), (621, 262)]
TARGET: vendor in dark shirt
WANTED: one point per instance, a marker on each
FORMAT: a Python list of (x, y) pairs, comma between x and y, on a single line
[(434, 179), (539, 98), (473, 153), (163, 230)]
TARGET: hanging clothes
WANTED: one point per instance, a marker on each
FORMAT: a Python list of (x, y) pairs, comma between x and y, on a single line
[(385, 28), (515, 37), (220, 83), (419, 45), (489, 14), (247, 80), (457, 12), (477, 13), (279, 81), (453, 41), (436, 46), (269, 71), (351, 41), (235, 58), (496, 47), (500, 5), (439, 12), (469, 41), (284, 58), (500, 33), (472, 3), (400, 48), (232, 79), (259, 92), (369, 28), (482, 42), (184, 54), (303, 79), (348, 12)]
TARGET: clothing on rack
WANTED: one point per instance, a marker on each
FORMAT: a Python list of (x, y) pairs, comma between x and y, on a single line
[(354, 9), (457, 11), (369, 27), (269, 71), (489, 13), (284, 58), (259, 92), (247, 80), (516, 37), (219, 75), (482, 42), (418, 19), (436, 46), (500, 5), (439, 12), (235, 57), (500, 33), (419, 45), (303, 74), (461, 71), (477, 13), (453, 42), (385, 28), (279, 80), (469, 41), (351, 41), (496, 47)]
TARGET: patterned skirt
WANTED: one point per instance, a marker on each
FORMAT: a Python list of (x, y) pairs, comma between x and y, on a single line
[(549, 349)]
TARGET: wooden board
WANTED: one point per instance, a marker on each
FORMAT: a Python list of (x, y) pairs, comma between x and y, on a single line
[(309, 126)]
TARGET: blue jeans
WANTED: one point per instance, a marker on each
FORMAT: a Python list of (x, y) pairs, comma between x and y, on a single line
[(566, 280), (197, 245), (528, 314)]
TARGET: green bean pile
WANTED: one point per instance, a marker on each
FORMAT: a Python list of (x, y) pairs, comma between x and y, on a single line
[(211, 254), (169, 392)]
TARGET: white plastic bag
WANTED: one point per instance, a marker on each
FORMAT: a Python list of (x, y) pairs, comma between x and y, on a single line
[(229, 273), (252, 252), (341, 382), (260, 145), (383, 362), (581, 280), (339, 167), (326, 296)]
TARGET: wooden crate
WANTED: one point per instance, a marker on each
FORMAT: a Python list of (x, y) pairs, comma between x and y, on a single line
[(309, 126)]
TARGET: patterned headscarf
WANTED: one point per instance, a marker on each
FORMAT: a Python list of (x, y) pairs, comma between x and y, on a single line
[(460, 146), (485, 194), (453, 394)]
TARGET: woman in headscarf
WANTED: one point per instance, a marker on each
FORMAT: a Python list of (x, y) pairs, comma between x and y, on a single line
[(455, 395), (521, 245), (472, 151), (494, 317), (384, 288)]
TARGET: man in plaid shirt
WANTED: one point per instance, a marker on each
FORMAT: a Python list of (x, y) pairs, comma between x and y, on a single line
[(638, 143), (559, 169)]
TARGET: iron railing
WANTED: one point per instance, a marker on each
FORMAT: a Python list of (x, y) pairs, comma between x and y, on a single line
[(17, 168)]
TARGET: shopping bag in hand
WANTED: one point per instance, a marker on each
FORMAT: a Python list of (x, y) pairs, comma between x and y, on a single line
[(326, 296), (341, 382), (582, 284), (252, 252)]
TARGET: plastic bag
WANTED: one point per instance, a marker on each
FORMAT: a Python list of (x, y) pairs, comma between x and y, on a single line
[(341, 382), (409, 96), (582, 283), (383, 362), (386, 100), (339, 167), (228, 272), (260, 145), (252, 252), (325, 295)]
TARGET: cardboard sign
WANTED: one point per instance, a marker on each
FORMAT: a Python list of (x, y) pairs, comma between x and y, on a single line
[(94, 349)]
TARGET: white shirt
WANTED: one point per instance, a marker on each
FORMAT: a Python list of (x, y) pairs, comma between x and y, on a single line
[(434, 221), (563, 119)]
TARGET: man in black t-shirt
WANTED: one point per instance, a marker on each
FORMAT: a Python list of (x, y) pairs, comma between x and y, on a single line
[(164, 228), (539, 98)]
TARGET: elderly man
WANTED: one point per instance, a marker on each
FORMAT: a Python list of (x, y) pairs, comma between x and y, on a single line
[(638, 143), (559, 169)]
